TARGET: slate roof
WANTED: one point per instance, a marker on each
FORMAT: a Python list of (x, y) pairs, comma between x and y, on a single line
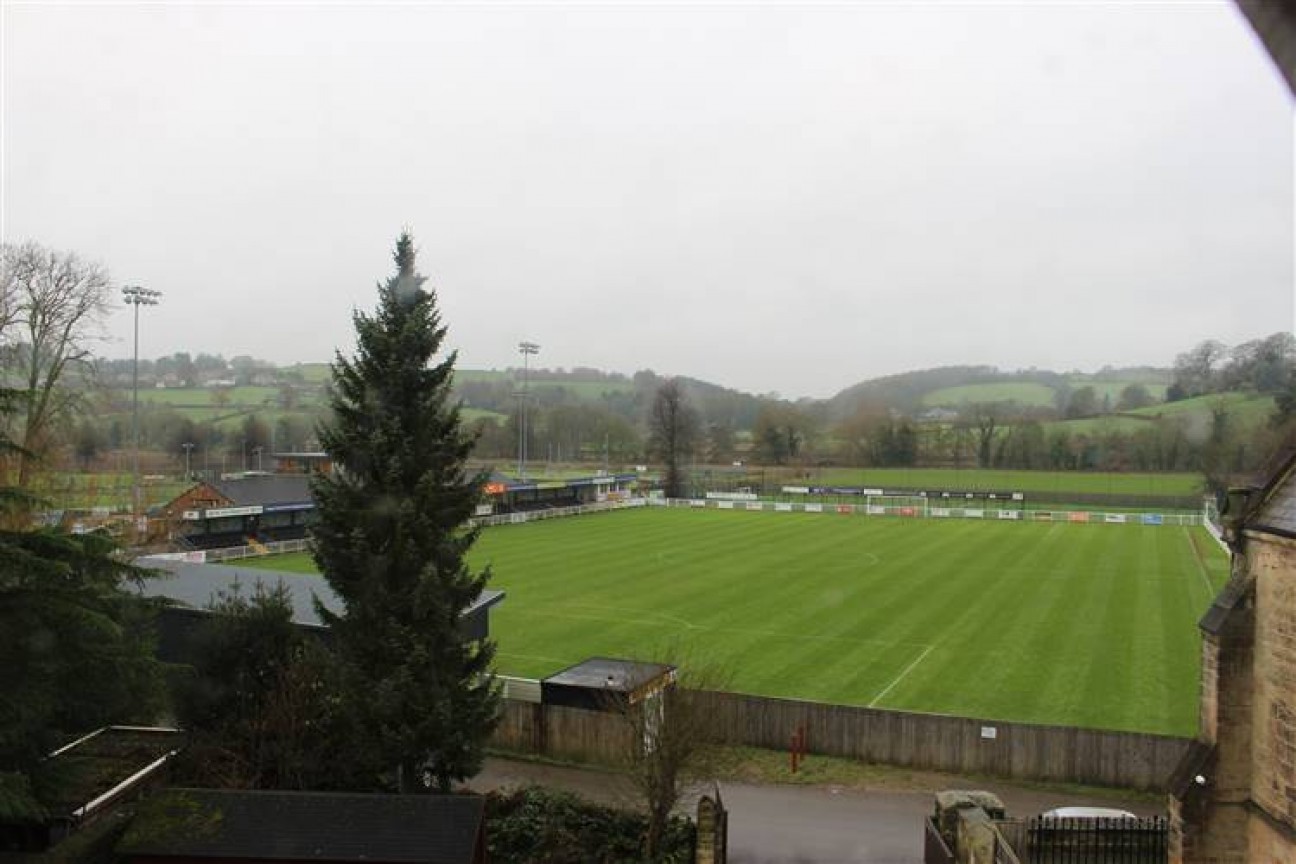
[(301, 826), (1270, 500), (266, 489), (1234, 593), (1279, 512), (195, 585)]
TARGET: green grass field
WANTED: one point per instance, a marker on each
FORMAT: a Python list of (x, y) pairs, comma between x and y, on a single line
[(1246, 410), (1090, 626)]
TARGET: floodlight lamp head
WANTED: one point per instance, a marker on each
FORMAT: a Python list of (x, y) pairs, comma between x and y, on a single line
[(528, 347), (134, 295)]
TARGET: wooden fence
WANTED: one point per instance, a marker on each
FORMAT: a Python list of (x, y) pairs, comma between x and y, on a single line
[(561, 732), (936, 742), (957, 744)]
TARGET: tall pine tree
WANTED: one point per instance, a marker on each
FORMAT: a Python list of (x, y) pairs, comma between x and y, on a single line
[(392, 539)]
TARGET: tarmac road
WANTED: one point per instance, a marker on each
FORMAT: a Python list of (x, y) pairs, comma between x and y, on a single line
[(820, 824)]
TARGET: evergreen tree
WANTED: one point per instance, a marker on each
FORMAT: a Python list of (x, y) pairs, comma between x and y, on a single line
[(392, 539), (77, 651)]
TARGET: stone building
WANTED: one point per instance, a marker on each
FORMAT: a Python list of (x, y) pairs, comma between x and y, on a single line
[(1233, 800)]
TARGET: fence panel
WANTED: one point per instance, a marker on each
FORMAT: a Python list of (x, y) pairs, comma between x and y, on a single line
[(944, 743)]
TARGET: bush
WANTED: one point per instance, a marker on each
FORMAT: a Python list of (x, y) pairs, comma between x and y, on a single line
[(539, 824)]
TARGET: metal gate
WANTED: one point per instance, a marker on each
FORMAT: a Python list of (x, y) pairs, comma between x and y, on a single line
[(1052, 840)]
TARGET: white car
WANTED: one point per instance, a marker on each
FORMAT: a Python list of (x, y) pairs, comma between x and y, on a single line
[(1088, 813)]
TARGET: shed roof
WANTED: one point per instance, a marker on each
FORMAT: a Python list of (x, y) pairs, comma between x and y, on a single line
[(607, 673), (299, 826), (196, 585)]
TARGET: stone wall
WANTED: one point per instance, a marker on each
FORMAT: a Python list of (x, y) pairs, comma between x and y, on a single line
[(1273, 729), (1248, 711)]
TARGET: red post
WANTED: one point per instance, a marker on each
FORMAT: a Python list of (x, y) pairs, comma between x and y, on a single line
[(792, 754)]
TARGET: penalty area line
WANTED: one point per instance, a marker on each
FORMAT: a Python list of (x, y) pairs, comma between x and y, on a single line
[(901, 676)]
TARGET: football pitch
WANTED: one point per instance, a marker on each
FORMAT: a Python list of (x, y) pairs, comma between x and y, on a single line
[(1080, 625)]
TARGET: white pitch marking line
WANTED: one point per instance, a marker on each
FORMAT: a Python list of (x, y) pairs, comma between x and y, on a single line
[(900, 677), (1201, 566)]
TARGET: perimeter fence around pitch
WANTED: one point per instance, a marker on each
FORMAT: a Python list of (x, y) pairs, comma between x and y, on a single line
[(915, 507), (904, 507)]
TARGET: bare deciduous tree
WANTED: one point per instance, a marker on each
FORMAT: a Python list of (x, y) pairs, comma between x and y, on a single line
[(672, 429), (673, 735), (52, 306)]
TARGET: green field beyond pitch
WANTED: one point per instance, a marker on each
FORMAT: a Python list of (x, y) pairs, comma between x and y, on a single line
[(1085, 625)]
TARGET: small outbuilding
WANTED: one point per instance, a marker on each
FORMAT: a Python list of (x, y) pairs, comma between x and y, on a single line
[(605, 683)]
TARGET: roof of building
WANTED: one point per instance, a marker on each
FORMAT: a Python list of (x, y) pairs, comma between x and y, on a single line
[(109, 758), (607, 673), (196, 585), (265, 489), (1278, 512), (299, 826), (1234, 593), (1268, 503)]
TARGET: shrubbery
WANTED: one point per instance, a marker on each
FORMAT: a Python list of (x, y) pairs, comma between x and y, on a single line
[(538, 824)]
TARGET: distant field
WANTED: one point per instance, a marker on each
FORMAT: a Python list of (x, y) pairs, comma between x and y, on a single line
[(1022, 392), (470, 414), (584, 389), (313, 373), (1082, 625), (1246, 408), (104, 489), (1084, 482), (202, 397)]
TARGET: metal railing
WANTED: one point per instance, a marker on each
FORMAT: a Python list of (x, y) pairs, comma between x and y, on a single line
[(525, 516), (935, 849), (1051, 840)]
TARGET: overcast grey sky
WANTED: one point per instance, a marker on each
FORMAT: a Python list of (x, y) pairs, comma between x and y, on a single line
[(787, 198)]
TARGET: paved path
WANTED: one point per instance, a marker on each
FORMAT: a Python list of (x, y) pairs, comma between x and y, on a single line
[(820, 824)]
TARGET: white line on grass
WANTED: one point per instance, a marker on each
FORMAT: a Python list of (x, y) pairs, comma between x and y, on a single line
[(900, 677), (1201, 565)]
